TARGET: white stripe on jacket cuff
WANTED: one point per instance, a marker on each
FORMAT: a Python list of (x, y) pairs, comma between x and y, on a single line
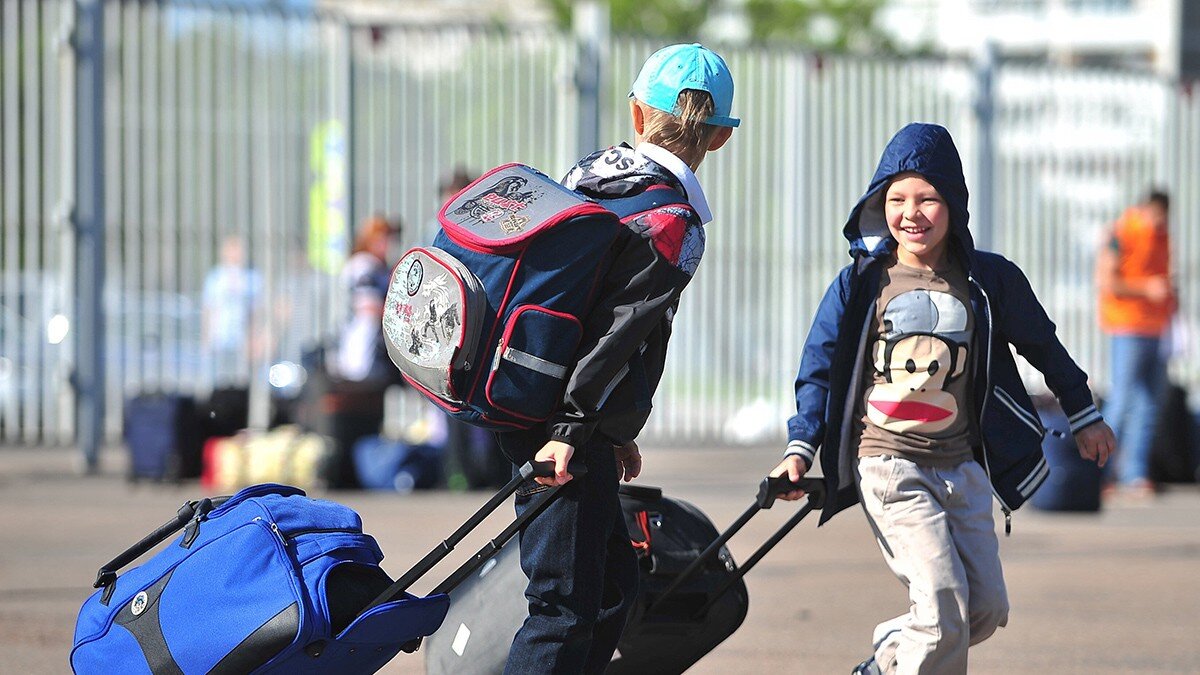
[(1081, 413), (803, 449), (1083, 418)]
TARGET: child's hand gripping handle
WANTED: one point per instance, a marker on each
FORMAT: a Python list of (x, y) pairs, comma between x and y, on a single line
[(546, 469), (773, 486)]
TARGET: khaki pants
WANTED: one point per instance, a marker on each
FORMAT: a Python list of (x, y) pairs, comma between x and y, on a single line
[(936, 531)]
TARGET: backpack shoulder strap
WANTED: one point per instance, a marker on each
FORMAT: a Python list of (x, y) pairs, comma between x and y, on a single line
[(651, 198)]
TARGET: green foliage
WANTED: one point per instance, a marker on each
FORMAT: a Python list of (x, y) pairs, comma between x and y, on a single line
[(829, 25), (668, 19), (833, 25)]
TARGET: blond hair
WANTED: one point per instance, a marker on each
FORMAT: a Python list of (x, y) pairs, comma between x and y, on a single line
[(684, 133)]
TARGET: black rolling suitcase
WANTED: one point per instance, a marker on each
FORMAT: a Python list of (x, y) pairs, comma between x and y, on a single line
[(690, 598)]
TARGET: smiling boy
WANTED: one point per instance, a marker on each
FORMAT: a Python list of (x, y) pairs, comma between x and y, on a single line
[(909, 391)]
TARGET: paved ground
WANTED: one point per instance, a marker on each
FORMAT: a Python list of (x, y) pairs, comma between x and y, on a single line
[(1117, 592)]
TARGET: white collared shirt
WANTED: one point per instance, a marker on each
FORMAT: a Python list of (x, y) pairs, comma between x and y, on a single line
[(687, 177)]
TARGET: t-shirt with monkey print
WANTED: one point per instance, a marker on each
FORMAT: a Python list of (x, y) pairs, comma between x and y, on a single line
[(915, 395)]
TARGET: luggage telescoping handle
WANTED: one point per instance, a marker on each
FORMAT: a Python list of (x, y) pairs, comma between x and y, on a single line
[(768, 490), (189, 511), (527, 471)]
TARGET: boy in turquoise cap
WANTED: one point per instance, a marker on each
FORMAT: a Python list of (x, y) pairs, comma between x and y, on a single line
[(582, 570)]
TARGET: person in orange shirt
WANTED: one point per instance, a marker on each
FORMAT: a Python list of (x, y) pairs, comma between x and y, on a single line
[(1137, 300)]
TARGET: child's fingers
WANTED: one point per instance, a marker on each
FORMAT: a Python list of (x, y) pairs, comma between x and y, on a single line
[(560, 470), (1106, 450), (794, 473)]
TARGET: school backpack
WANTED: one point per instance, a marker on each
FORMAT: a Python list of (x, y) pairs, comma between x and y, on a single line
[(486, 321), (267, 580)]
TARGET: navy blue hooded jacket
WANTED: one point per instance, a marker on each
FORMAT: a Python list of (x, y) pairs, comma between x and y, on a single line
[(1006, 313)]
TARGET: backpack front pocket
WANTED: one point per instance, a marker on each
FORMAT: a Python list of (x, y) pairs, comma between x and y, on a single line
[(432, 320), (532, 362)]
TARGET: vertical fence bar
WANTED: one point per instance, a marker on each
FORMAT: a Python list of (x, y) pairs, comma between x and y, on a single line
[(89, 221), (984, 220)]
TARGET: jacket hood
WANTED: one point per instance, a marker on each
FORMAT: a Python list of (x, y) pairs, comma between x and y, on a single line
[(619, 171), (926, 149)]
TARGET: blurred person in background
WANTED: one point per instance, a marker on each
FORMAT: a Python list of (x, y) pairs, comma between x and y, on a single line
[(1137, 301), (450, 185), (366, 275), (359, 370), (231, 296)]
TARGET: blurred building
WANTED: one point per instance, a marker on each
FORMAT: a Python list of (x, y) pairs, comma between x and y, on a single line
[(1162, 36)]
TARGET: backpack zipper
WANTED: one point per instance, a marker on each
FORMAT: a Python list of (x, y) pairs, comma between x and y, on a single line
[(274, 528), (321, 530)]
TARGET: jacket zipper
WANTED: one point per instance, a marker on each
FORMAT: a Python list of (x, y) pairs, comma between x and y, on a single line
[(987, 388)]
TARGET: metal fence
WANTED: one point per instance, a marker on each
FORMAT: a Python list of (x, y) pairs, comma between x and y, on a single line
[(281, 131)]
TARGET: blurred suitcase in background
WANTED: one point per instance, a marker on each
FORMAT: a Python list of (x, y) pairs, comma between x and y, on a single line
[(1175, 454), (163, 437), (285, 454), (1074, 482), (225, 412), (388, 464)]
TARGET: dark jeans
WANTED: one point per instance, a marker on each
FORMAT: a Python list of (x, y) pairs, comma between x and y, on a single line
[(582, 571)]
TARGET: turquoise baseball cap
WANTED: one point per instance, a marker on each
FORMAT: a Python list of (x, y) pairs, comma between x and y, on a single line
[(672, 69)]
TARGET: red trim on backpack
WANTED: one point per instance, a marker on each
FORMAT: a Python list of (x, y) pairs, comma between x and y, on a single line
[(504, 338), (469, 240), (642, 548), (462, 291), (451, 409)]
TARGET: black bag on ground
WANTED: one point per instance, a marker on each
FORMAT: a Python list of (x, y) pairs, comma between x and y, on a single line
[(1174, 456), (690, 594), (1074, 482), (163, 437), (344, 411), (225, 412)]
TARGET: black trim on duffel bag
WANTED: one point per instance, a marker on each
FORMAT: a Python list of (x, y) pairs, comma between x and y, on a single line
[(263, 644), (146, 629)]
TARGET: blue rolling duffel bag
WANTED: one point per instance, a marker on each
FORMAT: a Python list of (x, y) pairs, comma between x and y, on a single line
[(270, 581)]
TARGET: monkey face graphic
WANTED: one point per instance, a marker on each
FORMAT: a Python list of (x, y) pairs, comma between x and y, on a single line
[(921, 348)]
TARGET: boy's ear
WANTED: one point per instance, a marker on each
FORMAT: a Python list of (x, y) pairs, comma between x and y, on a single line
[(638, 115), (720, 138)]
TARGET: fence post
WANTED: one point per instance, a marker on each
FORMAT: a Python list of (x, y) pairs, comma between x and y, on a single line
[(344, 100), (87, 217), (984, 108), (591, 27)]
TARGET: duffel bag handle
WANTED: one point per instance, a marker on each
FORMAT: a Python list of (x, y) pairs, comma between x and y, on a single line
[(189, 511)]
